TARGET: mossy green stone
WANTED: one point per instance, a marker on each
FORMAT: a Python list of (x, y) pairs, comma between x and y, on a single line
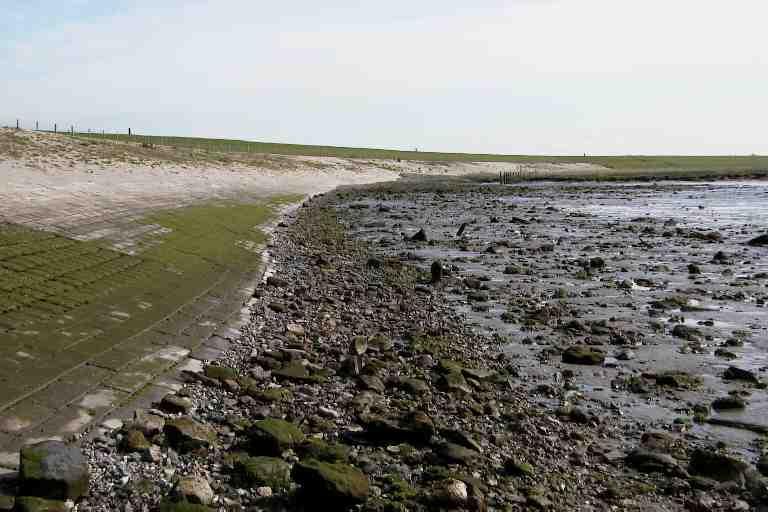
[(135, 441), (455, 381), (33, 504), (186, 434), (296, 372), (275, 395), (449, 366), (182, 506), (517, 468), (339, 484), (582, 354), (220, 373), (258, 471), (53, 470), (324, 451), (6, 503), (273, 436)]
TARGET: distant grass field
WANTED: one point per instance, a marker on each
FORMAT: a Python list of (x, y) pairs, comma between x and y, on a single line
[(700, 163)]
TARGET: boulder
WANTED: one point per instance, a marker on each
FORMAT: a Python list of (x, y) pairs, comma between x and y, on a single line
[(220, 373), (175, 404), (33, 504), (420, 236), (182, 506), (323, 451), (335, 485), (734, 373), (296, 372), (149, 424), (437, 271), (276, 282), (187, 435), (647, 461), (415, 427), (455, 382), (135, 441), (687, 333), (582, 354), (728, 402), (194, 489), (453, 453), (717, 466), (53, 470), (272, 436), (451, 492), (416, 387), (372, 383), (263, 471), (759, 241)]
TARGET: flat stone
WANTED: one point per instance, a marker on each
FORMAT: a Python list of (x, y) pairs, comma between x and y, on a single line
[(263, 471), (335, 485), (53, 470), (584, 355), (186, 435), (34, 504), (195, 489), (175, 404), (273, 436), (456, 454), (717, 466)]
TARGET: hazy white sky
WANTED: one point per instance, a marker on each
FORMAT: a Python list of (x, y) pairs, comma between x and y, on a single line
[(514, 76)]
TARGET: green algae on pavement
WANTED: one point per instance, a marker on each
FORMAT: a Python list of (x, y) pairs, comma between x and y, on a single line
[(65, 302)]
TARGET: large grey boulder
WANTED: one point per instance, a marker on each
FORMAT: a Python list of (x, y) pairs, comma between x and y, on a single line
[(54, 471)]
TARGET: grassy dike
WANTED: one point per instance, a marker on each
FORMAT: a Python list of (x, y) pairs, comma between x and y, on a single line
[(65, 302), (678, 163)]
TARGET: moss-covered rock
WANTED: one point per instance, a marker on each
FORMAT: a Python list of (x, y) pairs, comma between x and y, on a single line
[(273, 436), (678, 379), (262, 471), (168, 505), (725, 403), (583, 354), (296, 372), (220, 373), (449, 366), (274, 395), (338, 485), (53, 470), (135, 441), (718, 466), (323, 451), (32, 504), (454, 382), (415, 427), (187, 435), (515, 467), (685, 332)]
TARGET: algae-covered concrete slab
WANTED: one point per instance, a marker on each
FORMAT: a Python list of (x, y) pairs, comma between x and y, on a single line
[(83, 317)]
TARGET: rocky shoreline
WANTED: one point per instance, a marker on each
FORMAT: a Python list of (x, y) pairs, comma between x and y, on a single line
[(358, 386)]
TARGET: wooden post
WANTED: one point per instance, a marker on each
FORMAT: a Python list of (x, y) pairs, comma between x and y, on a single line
[(55, 128), (17, 124)]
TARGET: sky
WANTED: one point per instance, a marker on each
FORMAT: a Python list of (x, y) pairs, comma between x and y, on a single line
[(514, 76)]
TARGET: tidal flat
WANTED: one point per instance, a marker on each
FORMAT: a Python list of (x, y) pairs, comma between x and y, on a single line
[(655, 283)]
